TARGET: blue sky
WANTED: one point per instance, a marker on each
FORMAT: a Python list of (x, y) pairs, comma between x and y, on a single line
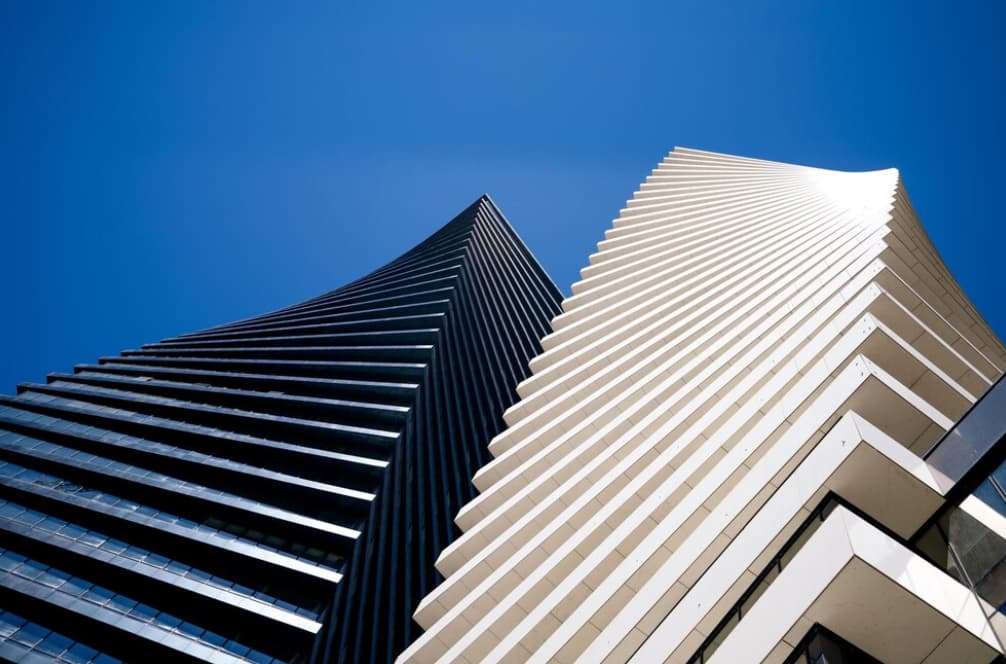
[(166, 167)]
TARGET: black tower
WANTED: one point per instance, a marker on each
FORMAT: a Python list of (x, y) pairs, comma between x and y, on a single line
[(276, 489)]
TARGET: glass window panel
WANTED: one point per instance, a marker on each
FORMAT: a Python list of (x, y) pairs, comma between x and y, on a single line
[(9, 623), (260, 657), (143, 612), (991, 495), (934, 546), (236, 648), (190, 629), (80, 653), (55, 644), (30, 634)]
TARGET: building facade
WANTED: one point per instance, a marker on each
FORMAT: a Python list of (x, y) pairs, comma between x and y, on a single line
[(276, 489), (739, 444)]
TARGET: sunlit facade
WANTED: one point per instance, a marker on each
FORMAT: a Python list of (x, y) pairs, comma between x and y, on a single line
[(734, 447)]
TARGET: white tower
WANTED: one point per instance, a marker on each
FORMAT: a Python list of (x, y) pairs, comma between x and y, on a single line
[(750, 338)]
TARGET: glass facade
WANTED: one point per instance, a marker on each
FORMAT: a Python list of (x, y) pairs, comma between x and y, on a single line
[(272, 490), (973, 439), (23, 640), (968, 540)]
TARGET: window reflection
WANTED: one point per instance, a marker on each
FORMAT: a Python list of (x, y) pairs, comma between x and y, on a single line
[(71, 532), (71, 587)]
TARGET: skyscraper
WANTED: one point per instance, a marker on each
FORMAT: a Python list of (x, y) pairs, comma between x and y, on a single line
[(739, 444), (276, 489)]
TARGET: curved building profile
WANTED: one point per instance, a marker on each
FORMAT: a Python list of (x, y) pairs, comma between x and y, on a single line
[(276, 489), (767, 426), (750, 438)]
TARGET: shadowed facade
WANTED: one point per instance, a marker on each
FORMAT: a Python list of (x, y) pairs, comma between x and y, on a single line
[(275, 489)]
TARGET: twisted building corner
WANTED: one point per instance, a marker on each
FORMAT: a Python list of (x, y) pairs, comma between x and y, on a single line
[(752, 437), (276, 489)]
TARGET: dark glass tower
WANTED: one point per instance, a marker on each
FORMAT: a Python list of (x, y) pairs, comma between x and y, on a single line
[(276, 489)]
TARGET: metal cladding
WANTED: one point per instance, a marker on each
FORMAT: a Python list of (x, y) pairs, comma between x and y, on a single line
[(276, 489), (718, 457)]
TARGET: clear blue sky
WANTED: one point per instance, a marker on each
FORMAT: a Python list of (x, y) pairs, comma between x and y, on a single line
[(169, 166)]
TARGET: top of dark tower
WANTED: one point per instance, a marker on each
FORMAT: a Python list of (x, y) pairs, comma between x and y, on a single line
[(275, 488)]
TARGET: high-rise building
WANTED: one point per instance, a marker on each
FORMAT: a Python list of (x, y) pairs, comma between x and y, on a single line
[(275, 489), (739, 444)]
